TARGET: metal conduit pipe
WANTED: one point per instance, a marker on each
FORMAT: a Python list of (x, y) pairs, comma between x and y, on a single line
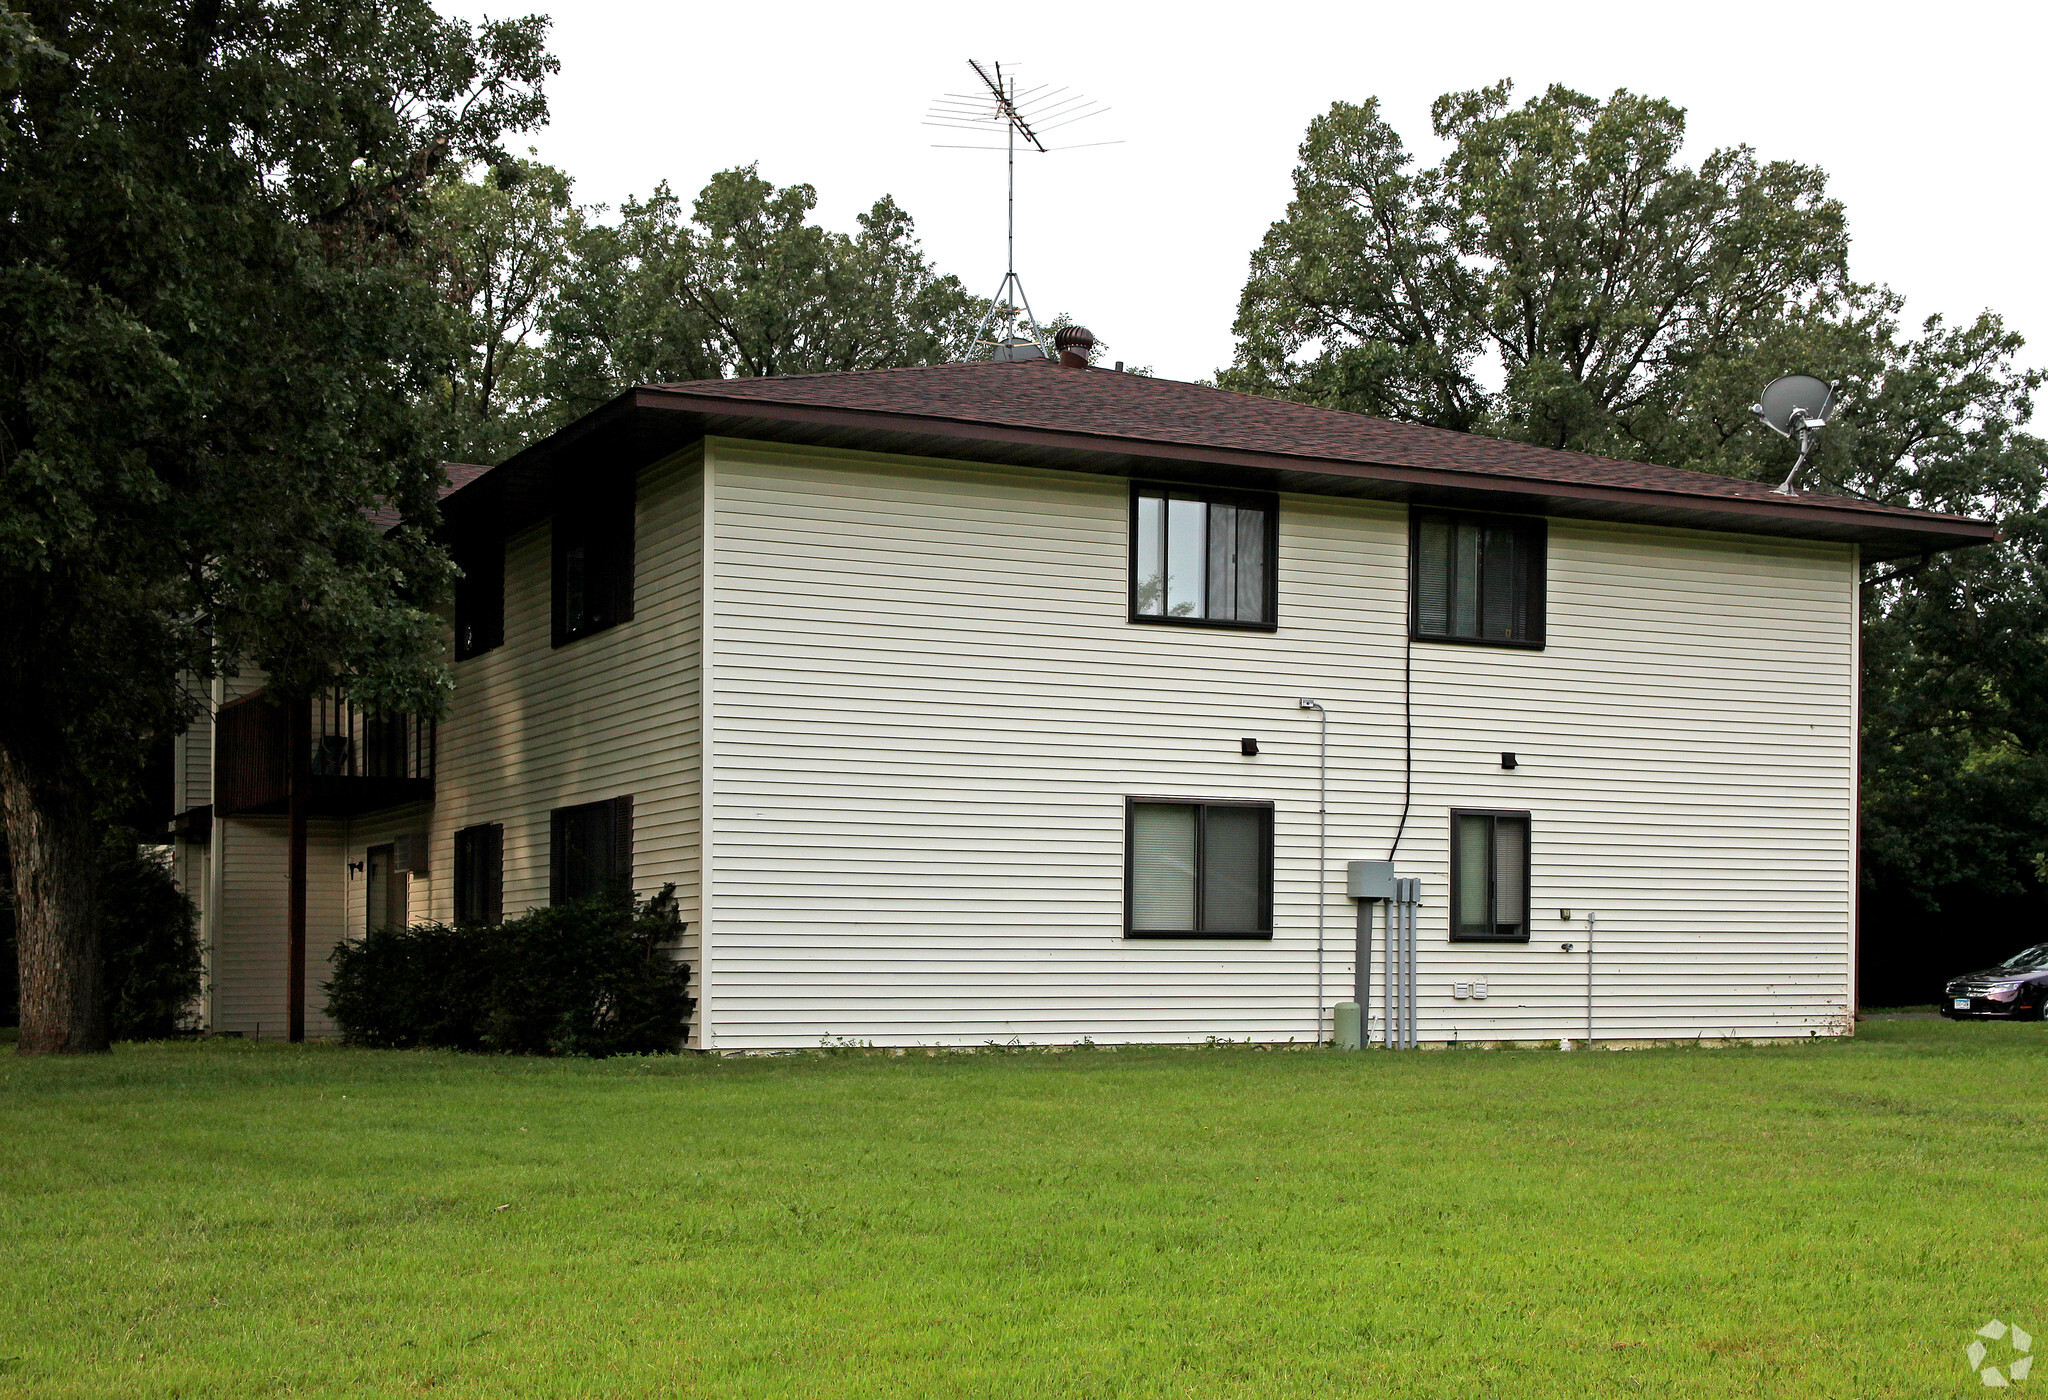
[(1400, 975), (1322, 846), (1411, 896), (1388, 992), (1590, 918), (1371, 882)]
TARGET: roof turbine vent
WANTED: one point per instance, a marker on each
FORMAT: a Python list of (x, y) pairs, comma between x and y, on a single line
[(1074, 343)]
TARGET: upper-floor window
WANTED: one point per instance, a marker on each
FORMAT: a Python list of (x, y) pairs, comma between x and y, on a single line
[(1490, 876), (1476, 578), (479, 593), (593, 565), (1202, 557)]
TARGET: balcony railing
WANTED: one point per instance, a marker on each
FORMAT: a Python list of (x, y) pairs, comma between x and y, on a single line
[(344, 759), (348, 743)]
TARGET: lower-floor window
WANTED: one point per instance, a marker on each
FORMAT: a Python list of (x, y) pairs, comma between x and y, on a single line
[(591, 851), (385, 887), (1490, 876), (480, 874), (1198, 869)]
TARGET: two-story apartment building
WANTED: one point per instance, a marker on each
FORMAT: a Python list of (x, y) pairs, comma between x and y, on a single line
[(965, 704)]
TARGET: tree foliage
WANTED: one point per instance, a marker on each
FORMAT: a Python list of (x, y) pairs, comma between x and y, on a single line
[(500, 250), (1619, 297), (1560, 277), (217, 334), (744, 284)]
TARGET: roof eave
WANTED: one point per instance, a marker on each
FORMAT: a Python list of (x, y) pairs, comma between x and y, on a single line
[(1887, 534), (646, 423)]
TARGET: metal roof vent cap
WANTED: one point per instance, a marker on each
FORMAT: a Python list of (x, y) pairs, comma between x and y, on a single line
[(1074, 343)]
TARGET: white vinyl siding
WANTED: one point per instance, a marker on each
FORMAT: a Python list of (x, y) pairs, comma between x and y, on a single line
[(250, 952), (533, 727), (929, 708)]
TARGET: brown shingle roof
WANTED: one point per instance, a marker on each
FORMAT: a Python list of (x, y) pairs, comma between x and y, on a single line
[(1035, 413), (1128, 408), (457, 475)]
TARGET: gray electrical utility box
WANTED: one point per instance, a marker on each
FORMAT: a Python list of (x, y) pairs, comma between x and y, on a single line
[(1369, 879)]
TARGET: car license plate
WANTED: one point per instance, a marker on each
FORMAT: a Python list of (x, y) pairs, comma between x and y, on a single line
[(1962, 1003)]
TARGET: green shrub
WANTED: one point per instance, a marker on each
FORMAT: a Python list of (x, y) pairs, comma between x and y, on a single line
[(592, 978), (149, 943)]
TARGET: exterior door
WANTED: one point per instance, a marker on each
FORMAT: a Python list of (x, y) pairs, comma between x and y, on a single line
[(384, 892)]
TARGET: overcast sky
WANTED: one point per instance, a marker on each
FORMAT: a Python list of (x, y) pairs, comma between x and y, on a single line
[(1926, 118)]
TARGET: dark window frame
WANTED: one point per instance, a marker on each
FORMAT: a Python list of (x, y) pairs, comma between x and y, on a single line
[(1202, 804), (615, 883), (1256, 500), (480, 874), (1535, 529), (1528, 862), (600, 518), (479, 593)]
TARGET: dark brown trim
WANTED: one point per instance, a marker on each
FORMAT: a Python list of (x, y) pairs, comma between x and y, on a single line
[(1265, 501), (1929, 523), (1528, 861), (1201, 804), (645, 424)]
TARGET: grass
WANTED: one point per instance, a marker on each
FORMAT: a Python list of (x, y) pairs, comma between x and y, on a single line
[(1832, 1219)]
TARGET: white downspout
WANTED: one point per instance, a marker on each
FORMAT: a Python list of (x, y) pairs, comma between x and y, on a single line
[(1591, 918)]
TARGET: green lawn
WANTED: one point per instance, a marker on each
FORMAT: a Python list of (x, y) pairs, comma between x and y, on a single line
[(1831, 1219)]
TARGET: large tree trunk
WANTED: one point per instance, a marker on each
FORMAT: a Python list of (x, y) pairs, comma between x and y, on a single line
[(56, 907)]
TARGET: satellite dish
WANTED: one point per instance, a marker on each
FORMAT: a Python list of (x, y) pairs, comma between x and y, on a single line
[(1795, 406), (1791, 399)]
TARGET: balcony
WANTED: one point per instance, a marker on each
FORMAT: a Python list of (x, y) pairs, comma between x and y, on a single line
[(344, 760)]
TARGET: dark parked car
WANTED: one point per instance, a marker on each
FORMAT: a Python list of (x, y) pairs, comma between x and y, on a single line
[(2015, 990)]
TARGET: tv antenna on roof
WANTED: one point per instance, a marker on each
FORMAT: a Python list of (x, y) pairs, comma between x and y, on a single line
[(1796, 406), (1032, 113)]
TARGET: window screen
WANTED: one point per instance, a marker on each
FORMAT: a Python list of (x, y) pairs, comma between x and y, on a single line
[(1490, 876), (1477, 578), (593, 559), (1199, 870), (1202, 557), (591, 851), (480, 874)]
